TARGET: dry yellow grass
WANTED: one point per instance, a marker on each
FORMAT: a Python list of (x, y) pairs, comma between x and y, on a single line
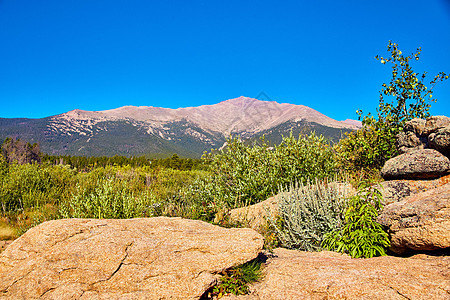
[(6, 232)]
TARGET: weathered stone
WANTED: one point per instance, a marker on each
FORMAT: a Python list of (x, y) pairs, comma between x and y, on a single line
[(397, 190), (420, 222), (293, 274), (434, 123), (418, 164), (4, 244), (409, 141), (154, 258), (256, 216), (415, 125), (440, 140)]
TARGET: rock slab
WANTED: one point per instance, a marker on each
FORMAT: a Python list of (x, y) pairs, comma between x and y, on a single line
[(418, 164), (441, 140), (296, 275), (420, 222), (433, 133), (153, 258), (256, 216), (398, 190)]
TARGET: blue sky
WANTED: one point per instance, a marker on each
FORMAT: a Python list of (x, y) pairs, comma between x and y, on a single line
[(56, 55)]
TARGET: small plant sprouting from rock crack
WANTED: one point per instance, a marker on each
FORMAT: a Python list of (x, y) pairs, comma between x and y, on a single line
[(237, 279)]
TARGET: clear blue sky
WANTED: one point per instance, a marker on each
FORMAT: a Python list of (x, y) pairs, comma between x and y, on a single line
[(59, 55)]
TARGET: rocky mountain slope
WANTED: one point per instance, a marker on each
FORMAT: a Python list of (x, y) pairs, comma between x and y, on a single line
[(187, 131)]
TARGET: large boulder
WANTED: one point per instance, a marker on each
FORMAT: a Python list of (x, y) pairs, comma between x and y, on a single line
[(154, 258), (434, 123), (4, 244), (433, 133), (418, 164), (409, 141), (440, 140), (293, 274), (416, 125), (420, 222), (398, 190), (257, 215)]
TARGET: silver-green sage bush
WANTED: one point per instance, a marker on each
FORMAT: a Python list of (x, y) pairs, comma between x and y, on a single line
[(307, 212)]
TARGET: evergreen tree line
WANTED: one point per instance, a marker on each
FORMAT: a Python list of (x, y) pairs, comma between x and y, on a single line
[(21, 152)]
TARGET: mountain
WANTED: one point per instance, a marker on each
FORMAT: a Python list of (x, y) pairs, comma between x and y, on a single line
[(158, 132)]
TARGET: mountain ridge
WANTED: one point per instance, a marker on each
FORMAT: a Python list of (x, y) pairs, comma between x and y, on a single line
[(130, 130)]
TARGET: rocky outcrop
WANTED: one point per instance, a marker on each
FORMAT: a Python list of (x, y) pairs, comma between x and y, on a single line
[(434, 123), (397, 190), (155, 258), (420, 222), (416, 126), (417, 195), (440, 140), (293, 274), (4, 244), (417, 164), (429, 133), (409, 141), (255, 216)]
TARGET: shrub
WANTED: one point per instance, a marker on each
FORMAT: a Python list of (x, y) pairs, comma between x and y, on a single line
[(308, 212), (365, 149), (242, 175), (361, 235)]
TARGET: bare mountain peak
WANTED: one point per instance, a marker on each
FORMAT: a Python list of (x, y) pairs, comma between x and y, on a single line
[(242, 114)]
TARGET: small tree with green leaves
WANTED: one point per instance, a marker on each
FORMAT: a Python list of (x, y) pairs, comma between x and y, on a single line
[(411, 98)]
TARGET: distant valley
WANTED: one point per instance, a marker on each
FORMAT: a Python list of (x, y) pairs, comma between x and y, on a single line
[(160, 132)]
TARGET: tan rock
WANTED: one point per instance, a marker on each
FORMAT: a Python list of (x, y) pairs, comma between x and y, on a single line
[(255, 216), (416, 125), (4, 244), (327, 275), (409, 141), (397, 190), (434, 123), (154, 258), (419, 222), (418, 164), (440, 140)]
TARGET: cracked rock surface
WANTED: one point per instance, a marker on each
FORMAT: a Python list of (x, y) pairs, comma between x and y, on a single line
[(419, 222), (294, 274), (152, 258), (417, 164)]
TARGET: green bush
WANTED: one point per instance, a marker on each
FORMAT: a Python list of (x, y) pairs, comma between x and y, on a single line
[(365, 149), (242, 175), (361, 235), (308, 212)]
